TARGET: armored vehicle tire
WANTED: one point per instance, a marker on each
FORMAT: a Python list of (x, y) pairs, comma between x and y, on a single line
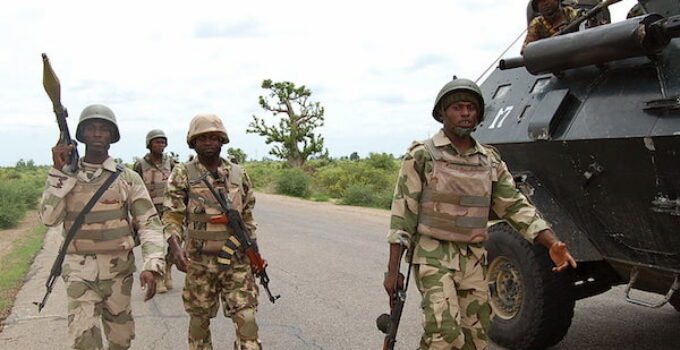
[(533, 306)]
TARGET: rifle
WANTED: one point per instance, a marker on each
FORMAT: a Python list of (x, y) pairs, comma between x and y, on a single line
[(573, 25), (239, 240), (389, 324), (80, 219), (53, 89)]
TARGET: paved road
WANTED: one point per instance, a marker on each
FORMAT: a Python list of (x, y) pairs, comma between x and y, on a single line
[(327, 263)]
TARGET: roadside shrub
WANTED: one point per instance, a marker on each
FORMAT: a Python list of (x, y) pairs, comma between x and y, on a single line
[(293, 182), (263, 174), (366, 196), (381, 161), (20, 190)]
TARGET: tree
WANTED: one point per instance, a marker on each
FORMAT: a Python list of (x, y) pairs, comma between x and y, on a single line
[(238, 154), (354, 156), (294, 135)]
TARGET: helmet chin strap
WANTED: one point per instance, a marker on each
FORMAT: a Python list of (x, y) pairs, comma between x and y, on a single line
[(463, 131)]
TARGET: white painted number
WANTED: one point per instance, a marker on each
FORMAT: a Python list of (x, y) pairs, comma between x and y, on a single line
[(502, 114)]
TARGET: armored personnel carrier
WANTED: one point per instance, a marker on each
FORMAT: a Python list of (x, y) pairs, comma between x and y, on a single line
[(589, 124)]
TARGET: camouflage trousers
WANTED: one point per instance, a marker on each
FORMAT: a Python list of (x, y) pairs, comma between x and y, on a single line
[(456, 311), (205, 286), (106, 302)]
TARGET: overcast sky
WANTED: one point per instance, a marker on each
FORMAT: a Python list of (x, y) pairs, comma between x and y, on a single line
[(374, 65)]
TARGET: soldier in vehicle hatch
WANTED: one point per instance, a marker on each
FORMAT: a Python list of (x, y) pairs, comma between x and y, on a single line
[(553, 18), (192, 204), (99, 261), (446, 188), (155, 168)]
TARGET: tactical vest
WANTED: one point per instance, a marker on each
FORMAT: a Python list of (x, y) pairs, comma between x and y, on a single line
[(156, 179), (202, 205), (106, 227), (455, 203)]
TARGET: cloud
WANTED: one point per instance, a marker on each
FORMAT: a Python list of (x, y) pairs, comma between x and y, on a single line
[(428, 60), (248, 28)]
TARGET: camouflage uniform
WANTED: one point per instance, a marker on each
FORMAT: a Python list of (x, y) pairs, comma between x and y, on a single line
[(440, 211), (205, 284), (155, 177), (540, 28), (99, 262)]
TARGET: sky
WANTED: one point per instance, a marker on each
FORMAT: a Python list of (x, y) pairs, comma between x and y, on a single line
[(375, 66)]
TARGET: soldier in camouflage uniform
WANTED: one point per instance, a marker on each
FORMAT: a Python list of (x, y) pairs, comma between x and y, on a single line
[(446, 188), (553, 18), (99, 262), (192, 203), (155, 168)]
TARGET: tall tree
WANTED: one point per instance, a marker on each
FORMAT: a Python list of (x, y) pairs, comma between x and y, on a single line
[(294, 136)]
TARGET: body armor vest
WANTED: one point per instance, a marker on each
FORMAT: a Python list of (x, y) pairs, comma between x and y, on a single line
[(156, 179), (202, 205), (455, 203), (106, 227)]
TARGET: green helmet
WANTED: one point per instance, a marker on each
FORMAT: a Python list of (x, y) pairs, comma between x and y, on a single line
[(459, 85), (100, 112), (154, 134)]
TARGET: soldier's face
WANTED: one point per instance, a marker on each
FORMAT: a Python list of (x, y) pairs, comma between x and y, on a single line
[(208, 145), (462, 115), (157, 145), (97, 135), (548, 7)]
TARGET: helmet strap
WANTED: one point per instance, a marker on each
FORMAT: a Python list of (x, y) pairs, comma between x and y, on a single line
[(462, 132)]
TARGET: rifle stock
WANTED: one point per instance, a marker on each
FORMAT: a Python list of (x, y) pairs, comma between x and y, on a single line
[(53, 89)]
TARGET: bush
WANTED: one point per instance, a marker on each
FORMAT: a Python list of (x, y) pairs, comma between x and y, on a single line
[(20, 189), (293, 182), (263, 174), (366, 196)]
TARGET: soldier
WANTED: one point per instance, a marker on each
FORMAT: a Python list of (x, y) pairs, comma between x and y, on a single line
[(553, 18), (447, 184), (155, 170), (191, 202), (99, 262)]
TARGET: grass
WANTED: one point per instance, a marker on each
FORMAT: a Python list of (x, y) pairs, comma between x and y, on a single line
[(15, 265)]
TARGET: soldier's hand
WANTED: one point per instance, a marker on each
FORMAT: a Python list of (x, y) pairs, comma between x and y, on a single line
[(393, 281), (178, 253), (147, 279), (60, 154), (561, 257)]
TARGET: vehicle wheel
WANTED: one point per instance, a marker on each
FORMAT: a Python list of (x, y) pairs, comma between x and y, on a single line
[(533, 306)]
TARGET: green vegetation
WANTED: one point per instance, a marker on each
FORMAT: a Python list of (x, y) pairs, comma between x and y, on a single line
[(20, 188), (293, 182), (364, 182), (15, 265), (294, 137)]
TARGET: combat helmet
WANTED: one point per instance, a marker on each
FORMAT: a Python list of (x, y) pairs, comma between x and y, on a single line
[(205, 123), (100, 112), (460, 85), (154, 134)]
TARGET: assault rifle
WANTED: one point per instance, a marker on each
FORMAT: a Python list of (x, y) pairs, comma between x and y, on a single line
[(239, 240), (389, 323), (573, 25), (53, 89)]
